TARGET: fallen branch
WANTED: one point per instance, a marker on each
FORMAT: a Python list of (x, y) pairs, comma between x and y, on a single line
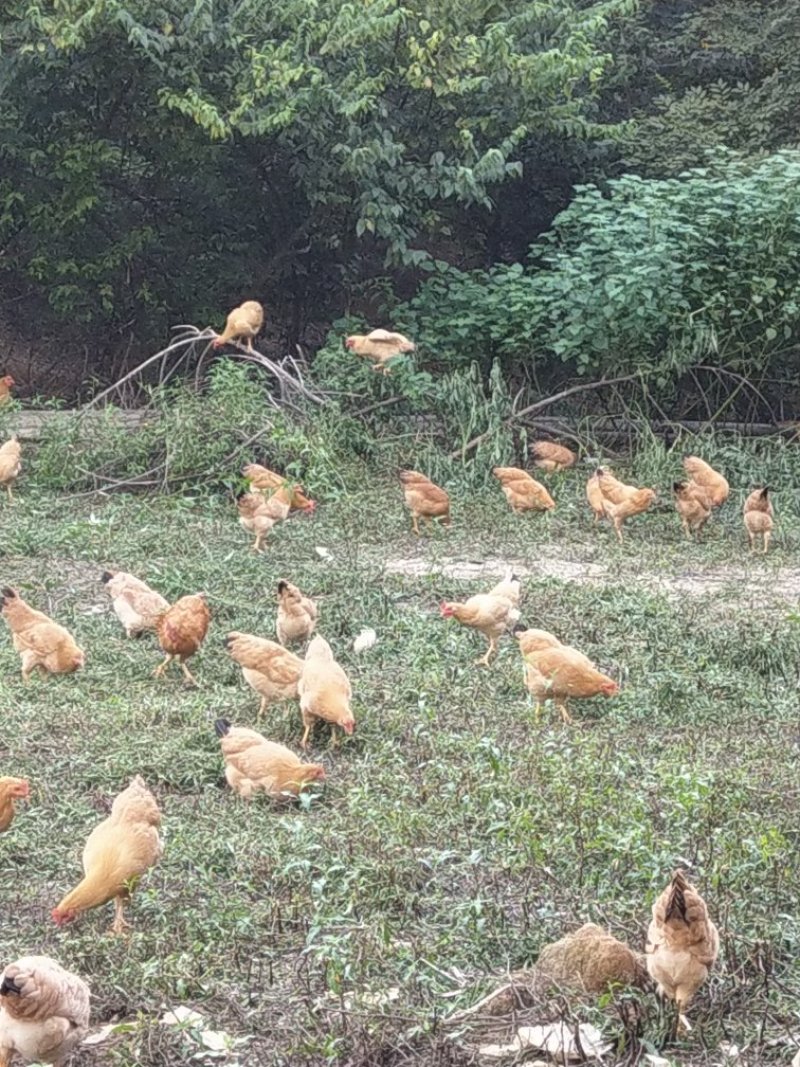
[(539, 406), (287, 372)]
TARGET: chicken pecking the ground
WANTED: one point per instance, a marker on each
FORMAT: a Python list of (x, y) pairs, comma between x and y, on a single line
[(424, 499), (548, 456), (490, 613), (558, 672), (242, 325), (43, 645), (44, 1011), (181, 631), (758, 516), (379, 346), (268, 668), (253, 764), (682, 943), (117, 853), (522, 492), (325, 692)]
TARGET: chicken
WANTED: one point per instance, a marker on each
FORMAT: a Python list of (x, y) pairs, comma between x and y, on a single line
[(693, 506), (258, 514), (135, 604), (379, 346), (521, 491), (297, 614), (491, 613), (117, 853), (324, 691), (44, 1011), (263, 479), (594, 496), (252, 763), (181, 631), (621, 501), (10, 464), (716, 487), (682, 942), (11, 789), (551, 457), (270, 669), (424, 499), (558, 672), (242, 325), (41, 643), (758, 514), (7, 383), (590, 960)]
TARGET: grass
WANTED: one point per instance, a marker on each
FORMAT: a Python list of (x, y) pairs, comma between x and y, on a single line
[(454, 837)]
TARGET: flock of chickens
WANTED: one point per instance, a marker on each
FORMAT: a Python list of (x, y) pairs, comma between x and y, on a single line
[(44, 1010)]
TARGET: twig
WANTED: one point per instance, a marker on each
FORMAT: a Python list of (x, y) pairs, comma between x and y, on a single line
[(538, 406)]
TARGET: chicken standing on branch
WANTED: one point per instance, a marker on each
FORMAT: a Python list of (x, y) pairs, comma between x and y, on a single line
[(693, 506), (297, 614), (117, 853), (560, 673), (242, 325), (268, 668), (424, 499), (181, 631), (325, 692), (11, 790), (621, 501), (716, 487), (548, 456), (265, 480), (42, 644), (522, 492), (7, 383), (758, 513), (135, 604), (253, 763), (10, 464), (44, 1011), (380, 346), (258, 514), (682, 943), (491, 613)]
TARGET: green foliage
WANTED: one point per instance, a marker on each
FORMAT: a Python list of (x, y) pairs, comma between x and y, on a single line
[(147, 153), (652, 277), (705, 75), (454, 835)]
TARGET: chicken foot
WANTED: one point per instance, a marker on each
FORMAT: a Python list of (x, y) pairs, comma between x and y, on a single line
[(187, 674), (484, 660)]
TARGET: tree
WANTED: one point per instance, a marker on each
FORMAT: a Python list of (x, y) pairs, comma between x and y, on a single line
[(160, 160)]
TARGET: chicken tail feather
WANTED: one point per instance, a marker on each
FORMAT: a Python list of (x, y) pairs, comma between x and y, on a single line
[(222, 727), (9, 986)]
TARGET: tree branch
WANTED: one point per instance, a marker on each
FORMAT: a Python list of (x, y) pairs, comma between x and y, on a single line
[(539, 405)]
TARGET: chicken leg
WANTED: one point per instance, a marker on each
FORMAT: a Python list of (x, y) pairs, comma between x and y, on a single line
[(484, 660), (159, 671), (565, 715), (187, 674), (119, 926), (415, 525)]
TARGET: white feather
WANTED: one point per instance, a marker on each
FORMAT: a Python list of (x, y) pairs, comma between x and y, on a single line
[(366, 639)]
